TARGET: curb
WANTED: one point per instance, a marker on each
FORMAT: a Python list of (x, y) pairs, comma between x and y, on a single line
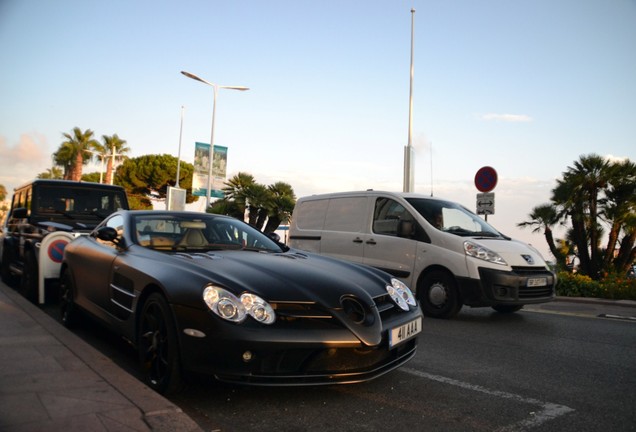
[(599, 301)]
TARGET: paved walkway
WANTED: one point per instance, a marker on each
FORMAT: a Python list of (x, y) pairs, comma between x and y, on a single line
[(51, 380)]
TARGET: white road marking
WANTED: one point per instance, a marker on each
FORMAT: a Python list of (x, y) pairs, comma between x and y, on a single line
[(548, 411), (618, 317)]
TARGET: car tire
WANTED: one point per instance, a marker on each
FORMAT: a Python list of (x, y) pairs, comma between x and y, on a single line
[(507, 308), (30, 277), (438, 295), (69, 315), (157, 346), (7, 277)]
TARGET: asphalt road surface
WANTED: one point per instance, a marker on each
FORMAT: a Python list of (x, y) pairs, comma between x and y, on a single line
[(555, 367)]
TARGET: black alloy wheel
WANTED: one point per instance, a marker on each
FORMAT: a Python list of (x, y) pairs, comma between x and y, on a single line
[(69, 315), (158, 347), (7, 277), (30, 277)]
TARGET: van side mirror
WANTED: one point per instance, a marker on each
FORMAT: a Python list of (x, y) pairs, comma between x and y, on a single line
[(406, 229)]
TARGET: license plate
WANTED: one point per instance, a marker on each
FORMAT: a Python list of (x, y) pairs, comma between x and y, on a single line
[(537, 282), (404, 332)]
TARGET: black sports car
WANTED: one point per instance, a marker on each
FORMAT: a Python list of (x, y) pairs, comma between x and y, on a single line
[(210, 294)]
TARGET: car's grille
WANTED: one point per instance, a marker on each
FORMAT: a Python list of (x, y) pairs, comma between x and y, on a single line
[(529, 271), (535, 292), (311, 315), (526, 292), (386, 306)]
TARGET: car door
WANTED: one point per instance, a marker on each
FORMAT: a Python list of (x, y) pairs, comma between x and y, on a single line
[(390, 246), (96, 268)]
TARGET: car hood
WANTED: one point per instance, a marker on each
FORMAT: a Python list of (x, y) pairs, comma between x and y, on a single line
[(296, 276), (292, 275)]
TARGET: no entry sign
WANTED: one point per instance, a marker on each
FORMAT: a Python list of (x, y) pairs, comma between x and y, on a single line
[(486, 179)]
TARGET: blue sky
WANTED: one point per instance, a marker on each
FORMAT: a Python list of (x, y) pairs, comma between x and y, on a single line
[(523, 86)]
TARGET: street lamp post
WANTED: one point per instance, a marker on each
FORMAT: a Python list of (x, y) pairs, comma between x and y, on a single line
[(216, 88)]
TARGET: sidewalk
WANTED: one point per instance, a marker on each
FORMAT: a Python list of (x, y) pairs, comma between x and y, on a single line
[(51, 380)]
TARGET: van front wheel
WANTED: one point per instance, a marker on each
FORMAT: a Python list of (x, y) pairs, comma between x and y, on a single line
[(438, 295)]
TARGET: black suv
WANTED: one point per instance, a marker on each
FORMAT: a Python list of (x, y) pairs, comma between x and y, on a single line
[(41, 208)]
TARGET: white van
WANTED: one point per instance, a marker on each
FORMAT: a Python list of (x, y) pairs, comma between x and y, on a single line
[(449, 255)]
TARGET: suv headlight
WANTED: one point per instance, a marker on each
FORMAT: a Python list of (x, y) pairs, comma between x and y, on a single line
[(483, 253), (235, 309), (401, 294)]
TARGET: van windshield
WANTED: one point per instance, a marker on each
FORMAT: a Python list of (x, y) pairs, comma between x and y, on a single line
[(453, 218)]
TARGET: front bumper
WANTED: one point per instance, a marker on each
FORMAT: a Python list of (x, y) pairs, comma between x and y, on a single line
[(508, 287), (286, 354)]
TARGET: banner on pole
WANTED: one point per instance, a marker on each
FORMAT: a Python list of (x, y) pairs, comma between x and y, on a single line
[(201, 170)]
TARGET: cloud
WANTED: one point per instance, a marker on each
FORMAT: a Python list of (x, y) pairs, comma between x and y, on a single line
[(24, 160), (512, 118), (616, 159)]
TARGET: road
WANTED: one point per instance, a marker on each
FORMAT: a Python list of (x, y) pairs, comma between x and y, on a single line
[(555, 367)]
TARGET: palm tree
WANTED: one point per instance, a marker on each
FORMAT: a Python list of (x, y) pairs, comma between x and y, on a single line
[(620, 213), (113, 147), (281, 205), (544, 217), (52, 173), (74, 153), (257, 198), (236, 189), (578, 195)]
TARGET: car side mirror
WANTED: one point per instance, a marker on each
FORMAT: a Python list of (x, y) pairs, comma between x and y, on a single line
[(108, 234), (19, 213), (273, 236)]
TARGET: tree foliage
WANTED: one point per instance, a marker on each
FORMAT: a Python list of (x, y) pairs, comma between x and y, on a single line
[(147, 178), (593, 197), (52, 173), (75, 152), (266, 207), (112, 148)]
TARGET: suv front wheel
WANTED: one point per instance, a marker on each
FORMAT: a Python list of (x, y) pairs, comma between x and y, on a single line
[(30, 277), (7, 277)]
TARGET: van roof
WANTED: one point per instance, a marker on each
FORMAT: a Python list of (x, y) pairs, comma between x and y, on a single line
[(368, 192)]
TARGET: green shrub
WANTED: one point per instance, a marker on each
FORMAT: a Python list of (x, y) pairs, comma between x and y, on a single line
[(610, 287)]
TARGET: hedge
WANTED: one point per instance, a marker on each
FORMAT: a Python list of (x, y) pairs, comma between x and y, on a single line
[(610, 287)]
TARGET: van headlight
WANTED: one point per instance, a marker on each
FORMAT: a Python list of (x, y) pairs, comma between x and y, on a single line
[(401, 294), (483, 253), (235, 309)]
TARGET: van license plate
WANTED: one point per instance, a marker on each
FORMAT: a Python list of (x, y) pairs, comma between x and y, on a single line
[(404, 332), (537, 282)]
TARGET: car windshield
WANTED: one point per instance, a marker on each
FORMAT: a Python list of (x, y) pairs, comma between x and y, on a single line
[(453, 218), (200, 232)]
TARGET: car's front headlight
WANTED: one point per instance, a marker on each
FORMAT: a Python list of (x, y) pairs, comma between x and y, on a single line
[(480, 252), (401, 294), (235, 309)]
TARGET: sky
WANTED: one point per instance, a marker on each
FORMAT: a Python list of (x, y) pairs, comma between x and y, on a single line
[(525, 87)]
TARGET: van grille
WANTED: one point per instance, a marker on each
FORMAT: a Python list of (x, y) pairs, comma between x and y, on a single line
[(526, 292)]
